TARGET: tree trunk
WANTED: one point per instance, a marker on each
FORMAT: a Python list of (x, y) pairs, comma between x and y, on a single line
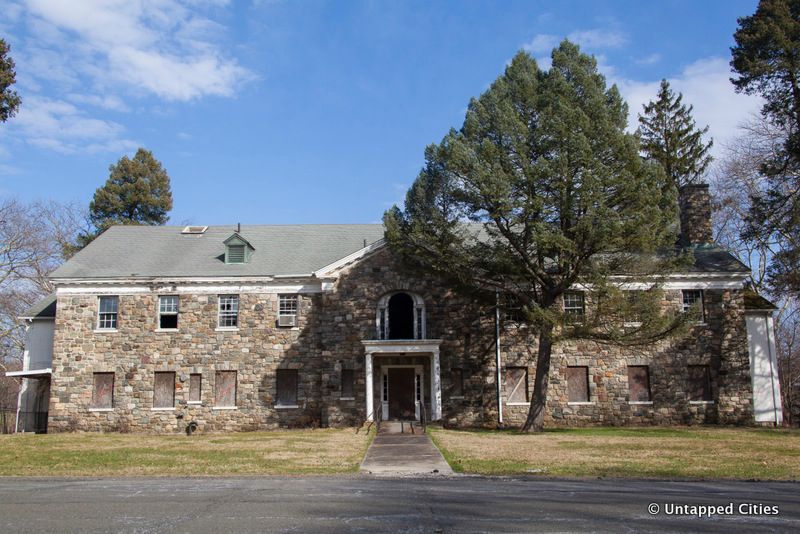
[(535, 421)]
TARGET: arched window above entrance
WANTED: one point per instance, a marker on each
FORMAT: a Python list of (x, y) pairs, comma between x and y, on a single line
[(400, 315)]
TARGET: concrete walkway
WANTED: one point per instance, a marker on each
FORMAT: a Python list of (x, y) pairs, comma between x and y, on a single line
[(404, 454)]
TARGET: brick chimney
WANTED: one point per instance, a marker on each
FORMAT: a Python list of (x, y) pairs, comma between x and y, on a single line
[(695, 206)]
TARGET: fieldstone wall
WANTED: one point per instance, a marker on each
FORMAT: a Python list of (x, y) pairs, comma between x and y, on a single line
[(328, 339)]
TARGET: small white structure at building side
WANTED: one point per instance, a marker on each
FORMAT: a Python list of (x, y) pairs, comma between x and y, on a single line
[(767, 406), (34, 393)]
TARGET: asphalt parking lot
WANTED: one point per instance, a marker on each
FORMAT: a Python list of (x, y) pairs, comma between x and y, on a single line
[(378, 504)]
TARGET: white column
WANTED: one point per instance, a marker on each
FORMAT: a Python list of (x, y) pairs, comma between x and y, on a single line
[(370, 393), (436, 386)]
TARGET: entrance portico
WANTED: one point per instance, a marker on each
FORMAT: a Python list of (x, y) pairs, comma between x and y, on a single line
[(397, 388)]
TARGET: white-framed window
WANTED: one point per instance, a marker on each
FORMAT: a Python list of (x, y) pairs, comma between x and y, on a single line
[(692, 298), (228, 311), (574, 307), (287, 310), (108, 309), (633, 315), (168, 312)]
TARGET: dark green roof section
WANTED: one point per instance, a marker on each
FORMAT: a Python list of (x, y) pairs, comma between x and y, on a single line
[(754, 301), (712, 259), (44, 309), (163, 251)]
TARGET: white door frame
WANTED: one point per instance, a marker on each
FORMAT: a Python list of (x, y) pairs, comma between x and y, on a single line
[(419, 391)]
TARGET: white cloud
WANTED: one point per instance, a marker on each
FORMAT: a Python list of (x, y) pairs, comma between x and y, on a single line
[(109, 102), (705, 84), (652, 59), (61, 126), (541, 44), (598, 38), (160, 47)]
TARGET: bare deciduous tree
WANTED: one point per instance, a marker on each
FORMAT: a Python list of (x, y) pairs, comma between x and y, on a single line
[(34, 240)]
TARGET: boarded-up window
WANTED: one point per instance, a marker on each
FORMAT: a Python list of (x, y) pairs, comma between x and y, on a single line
[(516, 384), (195, 384), (639, 383), (457, 381), (103, 390), (578, 384), (225, 388), (287, 387), (348, 383), (164, 394), (699, 383)]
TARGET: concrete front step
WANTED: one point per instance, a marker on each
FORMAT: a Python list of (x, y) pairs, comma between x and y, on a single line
[(400, 427)]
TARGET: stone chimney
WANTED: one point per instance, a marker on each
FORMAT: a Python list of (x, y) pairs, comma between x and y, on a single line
[(695, 206)]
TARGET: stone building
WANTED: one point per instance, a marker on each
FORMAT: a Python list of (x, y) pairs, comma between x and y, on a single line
[(254, 327)]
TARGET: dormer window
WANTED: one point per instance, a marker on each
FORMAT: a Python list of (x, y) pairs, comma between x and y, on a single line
[(237, 249)]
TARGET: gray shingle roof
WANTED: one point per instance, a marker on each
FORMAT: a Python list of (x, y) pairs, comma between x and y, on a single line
[(163, 251), (45, 308)]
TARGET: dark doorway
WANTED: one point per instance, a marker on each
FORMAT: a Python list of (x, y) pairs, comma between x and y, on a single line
[(401, 316), (401, 393)]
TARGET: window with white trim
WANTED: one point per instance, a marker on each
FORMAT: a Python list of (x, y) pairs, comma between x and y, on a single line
[(574, 307), (228, 311), (287, 310), (693, 298), (108, 309), (168, 312)]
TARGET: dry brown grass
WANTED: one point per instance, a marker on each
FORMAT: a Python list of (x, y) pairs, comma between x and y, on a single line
[(631, 452), (283, 452)]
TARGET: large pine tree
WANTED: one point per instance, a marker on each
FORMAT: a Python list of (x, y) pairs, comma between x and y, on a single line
[(540, 191), (766, 62), (137, 192), (669, 136), (9, 99)]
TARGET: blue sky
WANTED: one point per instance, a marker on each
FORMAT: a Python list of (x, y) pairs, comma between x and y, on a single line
[(279, 112)]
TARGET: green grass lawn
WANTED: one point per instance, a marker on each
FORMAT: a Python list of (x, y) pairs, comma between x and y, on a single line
[(281, 452), (684, 452)]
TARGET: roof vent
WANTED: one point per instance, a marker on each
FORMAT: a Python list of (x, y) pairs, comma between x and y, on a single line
[(195, 230)]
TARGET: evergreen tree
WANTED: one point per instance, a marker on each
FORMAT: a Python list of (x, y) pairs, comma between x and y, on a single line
[(9, 100), (669, 136), (539, 191), (137, 192), (766, 62)]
